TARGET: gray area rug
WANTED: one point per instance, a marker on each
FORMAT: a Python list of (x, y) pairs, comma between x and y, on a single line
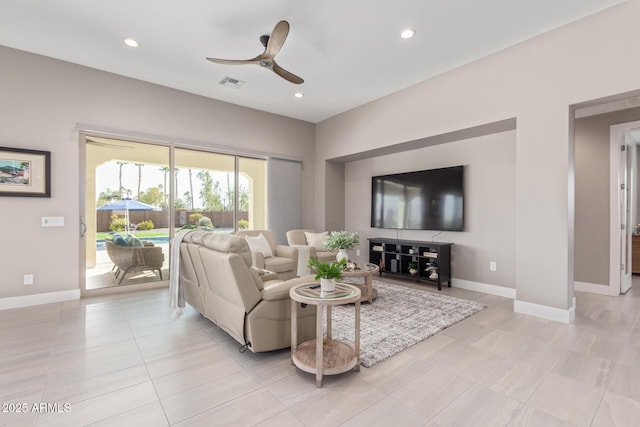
[(399, 318)]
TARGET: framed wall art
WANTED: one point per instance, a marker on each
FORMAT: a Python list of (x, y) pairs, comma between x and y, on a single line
[(25, 173)]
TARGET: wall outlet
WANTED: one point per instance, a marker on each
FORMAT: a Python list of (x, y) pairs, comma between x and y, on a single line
[(492, 266), (28, 279)]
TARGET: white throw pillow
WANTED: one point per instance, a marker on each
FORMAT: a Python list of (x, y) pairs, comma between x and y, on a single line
[(315, 239), (259, 243)]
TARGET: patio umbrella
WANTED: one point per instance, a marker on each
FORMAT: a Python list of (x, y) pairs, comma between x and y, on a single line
[(127, 205)]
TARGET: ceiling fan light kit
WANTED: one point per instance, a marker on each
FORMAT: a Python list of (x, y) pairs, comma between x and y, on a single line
[(272, 45)]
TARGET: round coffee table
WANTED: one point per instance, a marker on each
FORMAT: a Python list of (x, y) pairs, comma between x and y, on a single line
[(366, 272), (324, 356)]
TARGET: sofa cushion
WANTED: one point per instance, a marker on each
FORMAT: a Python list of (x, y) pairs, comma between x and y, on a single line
[(119, 240), (221, 242), (133, 241), (259, 243), (227, 243), (315, 239), (278, 264)]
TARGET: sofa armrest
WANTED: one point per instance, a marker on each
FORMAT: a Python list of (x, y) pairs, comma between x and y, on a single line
[(258, 259), (278, 290), (265, 275), (286, 252), (305, 253)]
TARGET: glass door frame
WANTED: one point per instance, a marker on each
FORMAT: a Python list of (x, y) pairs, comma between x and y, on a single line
[(83, 135)]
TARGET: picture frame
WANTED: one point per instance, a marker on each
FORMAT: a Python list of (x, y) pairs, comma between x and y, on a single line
[(25, 173)]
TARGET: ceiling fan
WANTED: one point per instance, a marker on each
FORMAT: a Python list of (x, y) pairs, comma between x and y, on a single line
[(272, 45)]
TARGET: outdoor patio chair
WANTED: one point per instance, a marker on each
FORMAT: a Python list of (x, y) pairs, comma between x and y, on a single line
[(128, 259)]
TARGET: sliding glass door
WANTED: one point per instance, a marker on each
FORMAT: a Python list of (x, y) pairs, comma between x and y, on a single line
[(252, 193), (204, 189), (126, 213), (138, 194)]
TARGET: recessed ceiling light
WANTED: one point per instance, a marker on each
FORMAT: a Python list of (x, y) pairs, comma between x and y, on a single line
[(298, 94), (131, 43), (408, 33)]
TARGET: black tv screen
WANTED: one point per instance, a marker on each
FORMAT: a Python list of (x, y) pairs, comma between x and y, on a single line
[(422, 200)]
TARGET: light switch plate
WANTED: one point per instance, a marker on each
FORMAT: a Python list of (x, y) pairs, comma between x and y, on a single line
[(53, 221)]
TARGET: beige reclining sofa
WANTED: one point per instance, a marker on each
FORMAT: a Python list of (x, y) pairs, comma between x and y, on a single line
[(219, 281)]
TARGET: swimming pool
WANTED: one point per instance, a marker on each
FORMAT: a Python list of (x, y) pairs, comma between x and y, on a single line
[(156, 240)]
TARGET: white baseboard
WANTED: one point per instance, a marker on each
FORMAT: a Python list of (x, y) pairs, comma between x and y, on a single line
[(485, 288), (37, 299), (546, 312), (595, 288), (537, 310)]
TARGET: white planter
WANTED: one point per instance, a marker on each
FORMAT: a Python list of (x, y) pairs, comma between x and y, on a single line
[(342, 255), (327, 285)]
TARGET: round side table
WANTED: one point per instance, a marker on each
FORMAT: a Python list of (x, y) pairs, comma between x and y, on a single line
[(366, 272), (324, 355)]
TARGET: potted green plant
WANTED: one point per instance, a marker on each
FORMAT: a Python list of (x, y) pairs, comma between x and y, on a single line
[(341, 240), (413, 268), (327, 272)]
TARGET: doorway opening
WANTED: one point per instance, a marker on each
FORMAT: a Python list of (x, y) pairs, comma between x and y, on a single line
[(606, 187)]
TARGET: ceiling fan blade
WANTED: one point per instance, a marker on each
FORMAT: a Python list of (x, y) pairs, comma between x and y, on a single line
[(286, 74), (255, 60), (276, 40)]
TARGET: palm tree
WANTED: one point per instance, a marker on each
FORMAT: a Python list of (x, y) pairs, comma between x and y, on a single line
[(106, 196), (191, 188), (165, 171), (230, 194), (139, 165), (175, 190), (120, 164)]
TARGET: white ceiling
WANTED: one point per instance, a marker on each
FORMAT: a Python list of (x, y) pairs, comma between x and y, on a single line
[(348, 51)]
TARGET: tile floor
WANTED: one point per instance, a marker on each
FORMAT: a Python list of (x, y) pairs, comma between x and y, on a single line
[(121, 361)]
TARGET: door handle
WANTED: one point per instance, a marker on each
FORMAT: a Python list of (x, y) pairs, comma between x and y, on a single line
[(83, 228)]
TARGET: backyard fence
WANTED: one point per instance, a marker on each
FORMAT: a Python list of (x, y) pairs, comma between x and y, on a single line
[(160, 219)]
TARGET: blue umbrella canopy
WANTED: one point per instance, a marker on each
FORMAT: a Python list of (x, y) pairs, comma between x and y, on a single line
[(128, 205)]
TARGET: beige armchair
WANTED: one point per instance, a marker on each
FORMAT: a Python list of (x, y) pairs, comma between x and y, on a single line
[(309, 245), (282, 260), (128, 259)]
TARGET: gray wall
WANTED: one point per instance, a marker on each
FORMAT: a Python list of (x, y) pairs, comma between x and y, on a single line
[(535, 82), (592, 142), (489, 183), (41, 104)]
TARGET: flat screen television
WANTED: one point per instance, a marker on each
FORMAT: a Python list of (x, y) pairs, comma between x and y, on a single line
[(422, 200)]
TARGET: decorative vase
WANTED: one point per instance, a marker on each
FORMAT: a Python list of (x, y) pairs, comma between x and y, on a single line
[(342, 255), (327, 285), (413, 271)]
